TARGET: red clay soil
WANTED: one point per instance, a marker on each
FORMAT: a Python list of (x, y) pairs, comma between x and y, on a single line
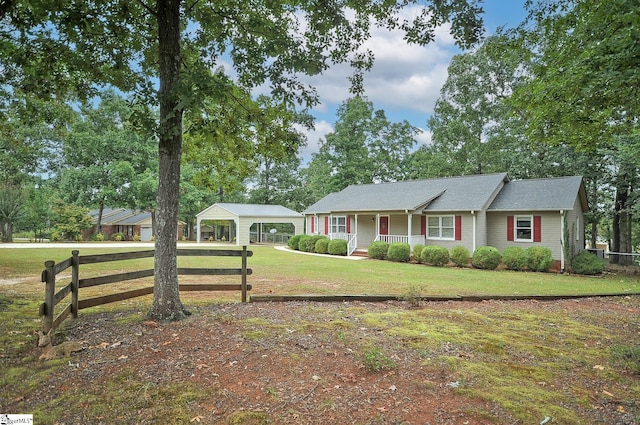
[(297, 375)]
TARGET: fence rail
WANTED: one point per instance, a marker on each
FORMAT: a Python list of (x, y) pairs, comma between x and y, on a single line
[(53, 298)]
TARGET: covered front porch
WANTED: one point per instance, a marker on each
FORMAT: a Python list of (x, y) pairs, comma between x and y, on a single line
[(359, 230)]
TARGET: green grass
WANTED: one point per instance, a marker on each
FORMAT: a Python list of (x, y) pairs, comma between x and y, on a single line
[(281, 272), (520, 358)]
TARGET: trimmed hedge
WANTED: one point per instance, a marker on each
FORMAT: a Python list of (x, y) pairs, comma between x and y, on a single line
[(378, 250), (337, 247), (435, 255), (322, 246), (417, 252), (486, 257), (309, 244), (399, 252), (587, 263), (539, 258), (459, 256), (293, 242), (302, 243), (515, 258)]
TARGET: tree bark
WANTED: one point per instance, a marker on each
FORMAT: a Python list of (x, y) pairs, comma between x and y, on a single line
[(166, 292)]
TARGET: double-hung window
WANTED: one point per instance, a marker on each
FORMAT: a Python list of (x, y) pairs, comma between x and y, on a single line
[(441, 227), (524, 228), (339, 224)]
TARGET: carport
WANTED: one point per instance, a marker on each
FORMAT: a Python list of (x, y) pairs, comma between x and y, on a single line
[(245, 215)]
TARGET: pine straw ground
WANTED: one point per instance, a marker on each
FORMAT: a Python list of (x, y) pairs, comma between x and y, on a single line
[(516, 362)]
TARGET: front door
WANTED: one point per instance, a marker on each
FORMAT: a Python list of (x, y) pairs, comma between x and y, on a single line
[(384, 225)]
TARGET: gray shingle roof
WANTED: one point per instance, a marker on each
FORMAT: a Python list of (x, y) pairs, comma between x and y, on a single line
[(253, 210), (443, 194), (539, 194)]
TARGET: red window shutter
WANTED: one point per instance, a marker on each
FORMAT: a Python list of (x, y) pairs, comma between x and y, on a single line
[(348, 221), (423, 225), (537, 228), (313, 224), (458, 229), (326, 224), (509, 227)]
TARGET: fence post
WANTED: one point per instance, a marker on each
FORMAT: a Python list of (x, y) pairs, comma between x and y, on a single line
[(49, 295), (75, 273), (244, 274)]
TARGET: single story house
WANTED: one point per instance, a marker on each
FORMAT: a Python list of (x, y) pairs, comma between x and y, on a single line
[(472, 211), (242, 216), (129, 222)]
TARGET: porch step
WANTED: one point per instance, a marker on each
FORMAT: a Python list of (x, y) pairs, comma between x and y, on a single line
[(360, 253)]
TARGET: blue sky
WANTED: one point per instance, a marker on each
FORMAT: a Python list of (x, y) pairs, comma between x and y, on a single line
[(405, 81)]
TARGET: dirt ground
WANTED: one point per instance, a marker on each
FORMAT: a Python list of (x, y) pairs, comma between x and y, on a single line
[(289, 363)]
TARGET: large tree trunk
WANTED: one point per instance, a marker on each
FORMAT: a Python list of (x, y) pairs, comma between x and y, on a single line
[(166, 293)]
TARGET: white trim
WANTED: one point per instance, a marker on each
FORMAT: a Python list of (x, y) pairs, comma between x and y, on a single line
[(515, 228), (440, 227)]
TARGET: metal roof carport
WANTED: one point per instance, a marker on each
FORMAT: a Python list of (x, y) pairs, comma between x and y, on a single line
[(245, 215)]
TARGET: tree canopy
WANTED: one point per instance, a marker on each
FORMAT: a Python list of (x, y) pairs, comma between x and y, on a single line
[(165, 53)]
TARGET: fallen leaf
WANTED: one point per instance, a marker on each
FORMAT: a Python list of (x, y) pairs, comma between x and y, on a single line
[(116, 344), (599, 367), (123, 357), (197, 419), (605, 392), (621, 409), (150, 323)]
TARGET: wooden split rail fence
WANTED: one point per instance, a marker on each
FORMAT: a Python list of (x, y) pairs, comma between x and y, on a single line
[(53, 298)]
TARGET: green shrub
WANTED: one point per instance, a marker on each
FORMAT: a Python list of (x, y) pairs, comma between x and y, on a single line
[(459, 256), (539, 258), (311, 242), (322, 246), (302, 243), (486, 257), (417, 252), (337, 247), (293, 241), (137, 238), (515, 258), (435, 255), (399, 252), (55, 236), (378, 250), (118, 237), (587, 263), (99, 237)]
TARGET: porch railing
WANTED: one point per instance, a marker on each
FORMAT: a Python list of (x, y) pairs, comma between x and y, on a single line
[(412, 241), (351, 238)]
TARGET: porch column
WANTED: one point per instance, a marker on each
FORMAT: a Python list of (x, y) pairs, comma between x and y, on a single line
[(562, 241), (409, 218), (377, 225), (473, 217), (356, 224), (198, 230)]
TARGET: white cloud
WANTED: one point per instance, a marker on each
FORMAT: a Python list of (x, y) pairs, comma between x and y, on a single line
[(321, 129)]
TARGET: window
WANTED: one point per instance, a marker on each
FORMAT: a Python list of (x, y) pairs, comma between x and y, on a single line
[(441, 227), (524, 228), (338, 224)]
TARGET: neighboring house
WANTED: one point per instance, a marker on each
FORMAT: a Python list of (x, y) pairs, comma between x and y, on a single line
[(128, 222), (471, 211), (241, 217)]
